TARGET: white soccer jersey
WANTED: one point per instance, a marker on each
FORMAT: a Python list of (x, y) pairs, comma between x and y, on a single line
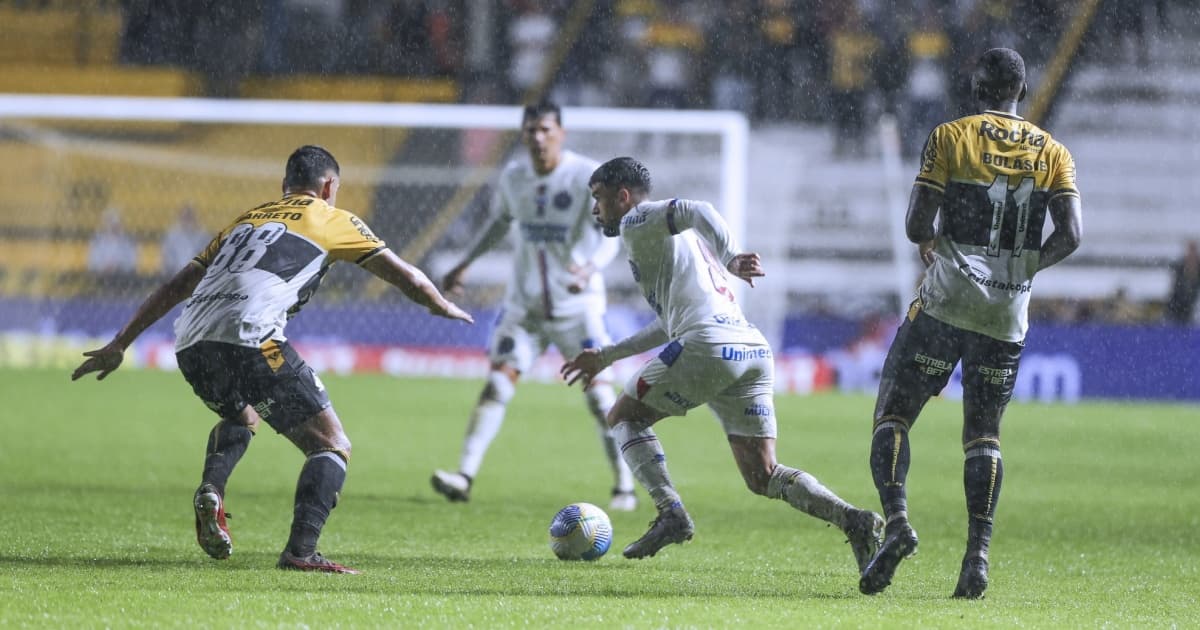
[(678, 252), (555, 230)]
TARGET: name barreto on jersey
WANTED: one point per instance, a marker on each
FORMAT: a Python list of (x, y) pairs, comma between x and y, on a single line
[(290, 202)]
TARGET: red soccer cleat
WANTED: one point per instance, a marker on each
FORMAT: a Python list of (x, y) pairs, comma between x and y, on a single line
[(315, 562)]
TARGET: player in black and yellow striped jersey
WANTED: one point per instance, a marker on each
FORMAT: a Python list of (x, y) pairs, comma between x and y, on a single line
[(993, 177), (240, 292)]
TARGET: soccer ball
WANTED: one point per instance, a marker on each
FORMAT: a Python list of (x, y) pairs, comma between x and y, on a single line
[(580, 531)]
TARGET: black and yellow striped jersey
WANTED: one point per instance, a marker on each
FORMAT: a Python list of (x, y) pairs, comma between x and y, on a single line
[(997, 173), (266, 264)]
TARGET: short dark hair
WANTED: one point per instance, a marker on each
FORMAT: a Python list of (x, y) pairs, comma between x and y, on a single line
[(622, 172), (1000, 75), (542, 108), (308, 165)]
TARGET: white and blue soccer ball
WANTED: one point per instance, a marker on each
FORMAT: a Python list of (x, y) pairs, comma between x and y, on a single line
[(580, 531)]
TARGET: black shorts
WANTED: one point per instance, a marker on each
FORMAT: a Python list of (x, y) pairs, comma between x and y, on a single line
[(922, 358), (272, 379)]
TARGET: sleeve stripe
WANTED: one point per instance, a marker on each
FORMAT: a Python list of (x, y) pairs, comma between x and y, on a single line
[(671, 217), (1063, 191), (364, 257), (922, 181)]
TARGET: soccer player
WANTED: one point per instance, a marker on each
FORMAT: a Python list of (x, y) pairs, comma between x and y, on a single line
[(681, 253), (994, 176), (240, 292), (555, 296)]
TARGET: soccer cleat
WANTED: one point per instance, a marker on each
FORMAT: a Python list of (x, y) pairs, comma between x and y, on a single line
[(623, 501), (864, 530), (454, 486), (315, 562), (211, 531), (673, 525), (973, 579), (879, 571)]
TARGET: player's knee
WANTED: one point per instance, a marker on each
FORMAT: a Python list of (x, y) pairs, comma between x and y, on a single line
[(248, 418), (499, 388), (756, 481)]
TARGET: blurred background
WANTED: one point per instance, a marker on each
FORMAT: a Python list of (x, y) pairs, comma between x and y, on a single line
[(104, 199)]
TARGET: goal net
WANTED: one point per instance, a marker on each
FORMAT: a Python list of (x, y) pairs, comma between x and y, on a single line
[(109, 196)]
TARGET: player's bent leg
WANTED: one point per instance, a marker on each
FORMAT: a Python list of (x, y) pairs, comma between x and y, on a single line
[(227, 442), (631, 422), (485, 422), (763, 475), (324, 441), (600, 399)]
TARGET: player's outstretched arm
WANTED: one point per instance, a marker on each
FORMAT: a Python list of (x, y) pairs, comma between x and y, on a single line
[(1066, 213), (105, 360), (587, 364), (414, 284)]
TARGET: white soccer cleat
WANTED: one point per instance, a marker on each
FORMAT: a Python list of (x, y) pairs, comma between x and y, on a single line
[(454, 486), (623, 501)]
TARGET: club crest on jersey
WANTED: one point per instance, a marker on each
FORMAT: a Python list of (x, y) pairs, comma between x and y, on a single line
[(562, 200)]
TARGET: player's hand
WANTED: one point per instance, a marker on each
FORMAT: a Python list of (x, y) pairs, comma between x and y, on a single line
[(104, 361), (452, 282), (450, 310), (584, 367), (747, 267), (583, 275), (925, 249)]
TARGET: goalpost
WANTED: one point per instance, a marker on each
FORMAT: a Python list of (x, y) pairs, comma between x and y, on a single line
[(417, 173)]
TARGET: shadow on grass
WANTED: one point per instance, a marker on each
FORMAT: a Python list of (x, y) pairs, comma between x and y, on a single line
[(91, 562), (450, 577)]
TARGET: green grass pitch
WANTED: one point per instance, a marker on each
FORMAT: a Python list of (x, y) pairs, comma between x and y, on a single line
[(1097, 523)]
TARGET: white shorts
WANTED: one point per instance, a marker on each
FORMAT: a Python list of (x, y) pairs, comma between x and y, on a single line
[(519, 339), (735, 380)]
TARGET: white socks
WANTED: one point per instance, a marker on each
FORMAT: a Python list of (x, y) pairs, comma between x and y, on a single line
[(803, 492), (600, 399), (642, 451), (485, 423)]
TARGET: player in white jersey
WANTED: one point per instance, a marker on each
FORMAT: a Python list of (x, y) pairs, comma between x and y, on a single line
[(681, 253), (555, 295), (240, 292)]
